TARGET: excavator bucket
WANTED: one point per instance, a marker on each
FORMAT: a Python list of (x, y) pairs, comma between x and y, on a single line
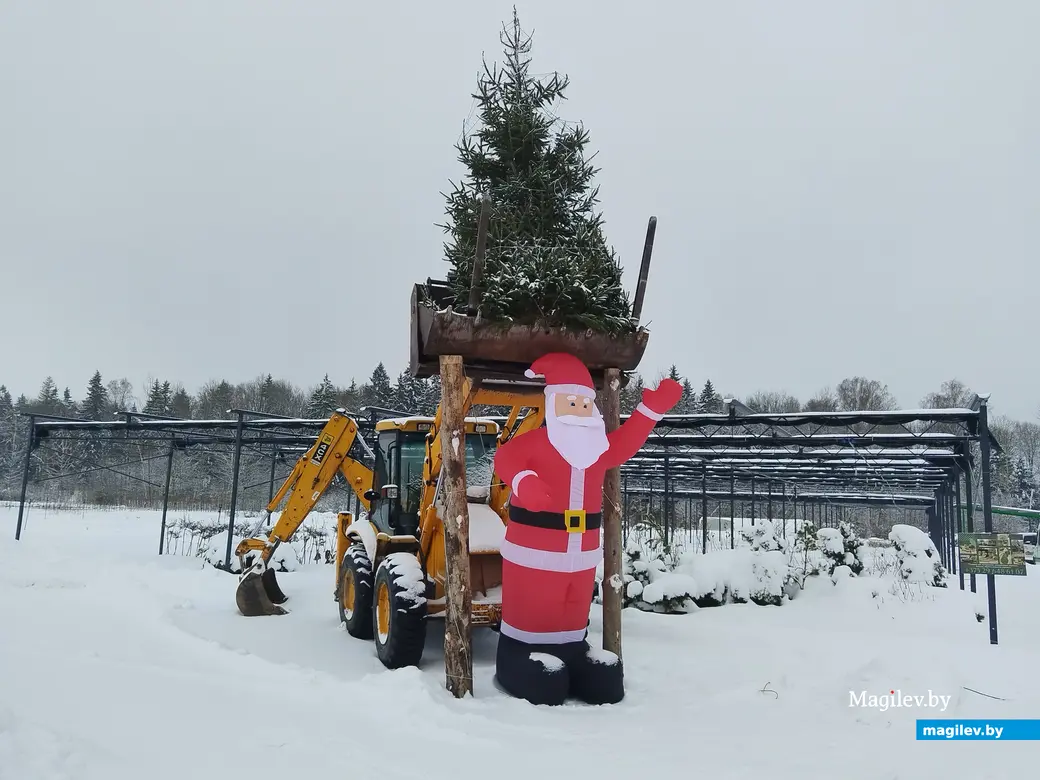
[(258, 593)]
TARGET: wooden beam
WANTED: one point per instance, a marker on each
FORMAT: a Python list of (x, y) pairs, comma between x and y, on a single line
[(613, 580), (458, 650)]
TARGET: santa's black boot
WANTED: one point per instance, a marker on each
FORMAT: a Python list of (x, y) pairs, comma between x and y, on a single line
[(531, 672), (597, 676)]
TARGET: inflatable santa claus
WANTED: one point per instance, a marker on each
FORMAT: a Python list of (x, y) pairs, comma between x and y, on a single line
[(552, 542)]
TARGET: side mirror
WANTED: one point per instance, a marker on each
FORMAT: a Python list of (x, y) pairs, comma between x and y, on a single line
[(371, 495), (390, 491)]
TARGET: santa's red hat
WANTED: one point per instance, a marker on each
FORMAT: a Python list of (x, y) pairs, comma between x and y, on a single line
[(563, 373)]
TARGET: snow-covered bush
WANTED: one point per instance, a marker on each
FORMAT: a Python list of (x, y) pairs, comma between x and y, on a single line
[(769, 574), (840, 573), (188, 535), (639, 562), (841, 546), (669, 592), (736, 576), (918, 558), (649, 583), (712, 573), (764, 537)]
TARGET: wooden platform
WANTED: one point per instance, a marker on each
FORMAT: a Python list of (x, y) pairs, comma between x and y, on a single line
[(502, 353)]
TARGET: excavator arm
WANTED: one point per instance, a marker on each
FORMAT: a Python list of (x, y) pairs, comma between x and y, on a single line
[(258, 591)]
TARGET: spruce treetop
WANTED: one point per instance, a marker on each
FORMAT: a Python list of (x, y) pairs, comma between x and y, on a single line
[(547, 260)]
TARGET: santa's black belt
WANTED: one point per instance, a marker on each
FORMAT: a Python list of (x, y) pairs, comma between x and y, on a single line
[(575, 521)]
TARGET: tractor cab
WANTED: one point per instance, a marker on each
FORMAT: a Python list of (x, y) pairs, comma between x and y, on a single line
[(398, 475)]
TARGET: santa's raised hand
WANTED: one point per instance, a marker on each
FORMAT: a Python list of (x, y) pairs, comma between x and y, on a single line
[(663, 398)]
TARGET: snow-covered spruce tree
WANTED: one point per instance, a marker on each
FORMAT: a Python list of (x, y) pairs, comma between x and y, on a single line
[(803, 563), (710, 400), (8, 427), (323, 400), (919, 560), (379, 391), (95, 405), (547, 260), (841, 546), (770, 571)]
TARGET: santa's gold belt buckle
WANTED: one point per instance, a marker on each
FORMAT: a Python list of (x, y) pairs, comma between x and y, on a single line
[(574, 520)]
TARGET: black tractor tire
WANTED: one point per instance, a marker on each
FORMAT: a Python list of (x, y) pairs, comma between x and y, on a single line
[(354, 592), (399, 611)]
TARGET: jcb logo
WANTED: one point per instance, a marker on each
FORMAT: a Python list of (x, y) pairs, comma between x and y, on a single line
[(322, 450)]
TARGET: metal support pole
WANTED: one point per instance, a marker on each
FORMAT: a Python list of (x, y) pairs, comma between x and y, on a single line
[(270, 482), (940, 518), (650, 497), (30, 440), (952, 497), (794, 510), (769, 501), (987, 512), (704, 509), (166, 497), (234, 488), (938, 537), (752, 501), (948, 525), (783, 505), (667, 500), (959, 509), (731, 510), (969, 520)]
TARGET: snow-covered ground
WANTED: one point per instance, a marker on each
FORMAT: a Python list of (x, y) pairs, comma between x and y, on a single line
[(118, 664)]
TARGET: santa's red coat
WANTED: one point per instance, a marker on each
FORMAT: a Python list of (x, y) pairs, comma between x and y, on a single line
[(548, 575)]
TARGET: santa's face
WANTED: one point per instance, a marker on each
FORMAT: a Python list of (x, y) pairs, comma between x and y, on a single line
[(576, 429), (567, 405)]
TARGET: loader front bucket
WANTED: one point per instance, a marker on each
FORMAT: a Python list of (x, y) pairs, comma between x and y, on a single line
[(490, 350), (258, 594)]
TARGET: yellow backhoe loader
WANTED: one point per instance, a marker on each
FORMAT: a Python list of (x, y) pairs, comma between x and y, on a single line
[(390, 563)]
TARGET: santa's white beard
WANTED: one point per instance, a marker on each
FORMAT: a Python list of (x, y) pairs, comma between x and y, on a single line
[(579, 440)]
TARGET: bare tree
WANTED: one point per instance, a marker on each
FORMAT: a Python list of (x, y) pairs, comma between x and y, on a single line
[(121, 394), (859, 394), (1027, 441), (1003, 430), (824, 401), (952, 394), (773, 402)]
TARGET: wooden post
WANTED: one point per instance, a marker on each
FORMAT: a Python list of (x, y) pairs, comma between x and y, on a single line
[(458, 651), (613, 580)]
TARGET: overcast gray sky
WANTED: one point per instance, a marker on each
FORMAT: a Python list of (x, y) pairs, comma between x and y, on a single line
[(213, 189)]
